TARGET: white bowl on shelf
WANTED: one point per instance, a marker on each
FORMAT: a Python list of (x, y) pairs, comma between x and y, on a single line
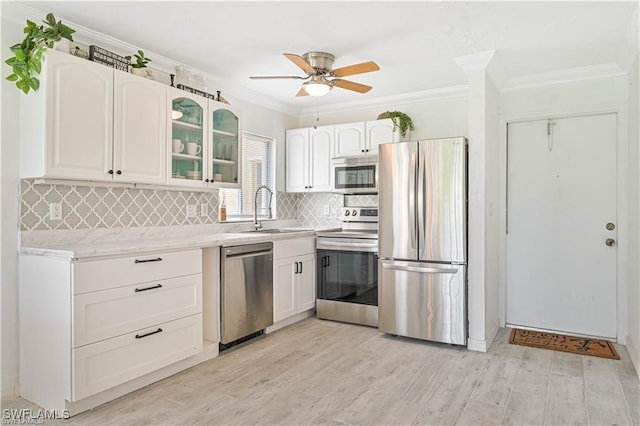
[(195, 175), (217, 177)]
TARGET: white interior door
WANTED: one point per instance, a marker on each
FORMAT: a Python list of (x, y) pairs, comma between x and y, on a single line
[(561, 195)]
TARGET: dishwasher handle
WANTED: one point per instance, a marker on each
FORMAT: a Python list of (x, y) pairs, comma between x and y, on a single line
[(249, 250)]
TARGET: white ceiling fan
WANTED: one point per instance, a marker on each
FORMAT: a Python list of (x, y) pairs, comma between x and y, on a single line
[(321, 78)]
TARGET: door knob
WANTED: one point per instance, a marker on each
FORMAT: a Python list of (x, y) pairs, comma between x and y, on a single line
[(610, 242), (610, 226)]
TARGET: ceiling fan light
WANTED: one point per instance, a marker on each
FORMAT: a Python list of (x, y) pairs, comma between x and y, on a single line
[(316, 88)]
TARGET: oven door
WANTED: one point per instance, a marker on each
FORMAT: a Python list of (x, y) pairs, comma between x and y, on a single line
[(347, 271)]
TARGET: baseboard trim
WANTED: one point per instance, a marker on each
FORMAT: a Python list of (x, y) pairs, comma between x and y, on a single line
[(482, 345), (634, 353)]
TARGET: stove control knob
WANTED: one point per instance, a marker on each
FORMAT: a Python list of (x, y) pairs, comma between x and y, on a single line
[(354, 213), (347, 212)]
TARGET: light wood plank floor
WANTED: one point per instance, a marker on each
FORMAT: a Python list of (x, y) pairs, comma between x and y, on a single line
[(322, 372)]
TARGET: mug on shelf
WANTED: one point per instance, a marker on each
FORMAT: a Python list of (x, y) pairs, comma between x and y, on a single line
[(193, 148), (178, 146)]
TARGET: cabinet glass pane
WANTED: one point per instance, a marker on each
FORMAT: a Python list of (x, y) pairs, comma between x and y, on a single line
[(224, 155), (187, 138)]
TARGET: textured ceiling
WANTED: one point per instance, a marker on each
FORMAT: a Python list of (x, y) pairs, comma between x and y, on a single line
[(413, 42)]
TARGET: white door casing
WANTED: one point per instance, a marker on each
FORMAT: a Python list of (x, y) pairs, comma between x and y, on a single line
[(561, 193)]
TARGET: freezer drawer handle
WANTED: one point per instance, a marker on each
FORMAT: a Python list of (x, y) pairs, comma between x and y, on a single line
[(142, 336), (157, 259), (137, 290), (418, 269)]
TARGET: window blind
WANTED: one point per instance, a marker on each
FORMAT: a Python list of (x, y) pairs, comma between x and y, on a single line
[(258, 168)]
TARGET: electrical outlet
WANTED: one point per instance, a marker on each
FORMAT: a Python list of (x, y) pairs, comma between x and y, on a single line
[(204, 210), (55, 211), (191, 210), (325, 210)]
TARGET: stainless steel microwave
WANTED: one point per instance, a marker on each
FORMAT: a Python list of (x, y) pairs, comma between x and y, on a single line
[(355, 175)]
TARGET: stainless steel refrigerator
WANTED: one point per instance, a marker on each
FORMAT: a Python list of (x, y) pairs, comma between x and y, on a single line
[(422, 270)]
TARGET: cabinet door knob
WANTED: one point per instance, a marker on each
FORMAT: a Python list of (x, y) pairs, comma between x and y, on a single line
[(362, 150), (206, 180), (119, 172), (110, 172)]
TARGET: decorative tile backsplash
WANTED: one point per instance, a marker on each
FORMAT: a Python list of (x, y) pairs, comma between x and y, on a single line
[(93, 207)]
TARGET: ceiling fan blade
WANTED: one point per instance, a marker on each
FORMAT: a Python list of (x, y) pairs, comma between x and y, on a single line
[(355, 69), (275, 77), (300, 62), (351, 85), (302, 92)]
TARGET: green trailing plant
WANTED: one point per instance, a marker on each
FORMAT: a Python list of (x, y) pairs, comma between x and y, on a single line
[(400, 121), (141, 60), (26, 62)]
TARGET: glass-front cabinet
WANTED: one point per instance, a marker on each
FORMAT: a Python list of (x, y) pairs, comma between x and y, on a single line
[(205, 142), (187, 145), (225, 157)]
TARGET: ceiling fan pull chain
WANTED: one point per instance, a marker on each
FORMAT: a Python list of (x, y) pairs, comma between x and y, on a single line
[(550, 125), (317, 113)]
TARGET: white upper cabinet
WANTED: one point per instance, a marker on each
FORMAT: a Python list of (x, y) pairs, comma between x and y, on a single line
[(139, 148), (350, 140), (91, 122), (297, 160), (358, 139), (66, 127), (308, 159), (320, 153), (378, 132)]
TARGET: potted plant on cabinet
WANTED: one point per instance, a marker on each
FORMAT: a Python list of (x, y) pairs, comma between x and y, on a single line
[(139, 66), (26, 62), (400, 121)]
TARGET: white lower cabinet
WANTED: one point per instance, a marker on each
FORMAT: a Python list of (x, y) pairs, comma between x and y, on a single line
[(88, 326), (294, 277), (101, 314), (111, 362)]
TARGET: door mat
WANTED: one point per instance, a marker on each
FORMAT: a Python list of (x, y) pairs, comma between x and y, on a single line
[(560, 342)]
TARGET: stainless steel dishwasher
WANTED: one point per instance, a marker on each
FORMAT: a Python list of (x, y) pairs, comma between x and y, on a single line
[(246, 292)]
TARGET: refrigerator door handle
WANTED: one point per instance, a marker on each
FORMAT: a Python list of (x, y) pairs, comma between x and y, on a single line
[(420, 196), (412, 203), (420, 269)]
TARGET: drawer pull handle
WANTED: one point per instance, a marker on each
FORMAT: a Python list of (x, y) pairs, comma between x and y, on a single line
[(157, 259), (140, 336), (148, 288)]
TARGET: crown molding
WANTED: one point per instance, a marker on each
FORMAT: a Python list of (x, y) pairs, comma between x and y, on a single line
[(568, 75), (475, 61), (19, 12), (433, 95)]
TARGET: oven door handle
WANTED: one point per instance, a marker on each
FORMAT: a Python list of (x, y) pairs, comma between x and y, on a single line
[(343, 246)]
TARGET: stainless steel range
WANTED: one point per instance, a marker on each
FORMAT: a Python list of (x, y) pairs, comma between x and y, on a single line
[(347, 271)]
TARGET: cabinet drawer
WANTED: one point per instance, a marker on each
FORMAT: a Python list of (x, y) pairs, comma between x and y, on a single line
[(123, 271), (106, 364), (294, 247), (104, 314)]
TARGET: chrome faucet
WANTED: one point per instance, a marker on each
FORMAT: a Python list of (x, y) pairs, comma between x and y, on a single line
[(256, 224)]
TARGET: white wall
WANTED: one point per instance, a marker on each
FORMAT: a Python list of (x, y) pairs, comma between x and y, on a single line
[(491, 240), (633, 310), (606, 94), (265, 122), (11, 34), (432, 118)]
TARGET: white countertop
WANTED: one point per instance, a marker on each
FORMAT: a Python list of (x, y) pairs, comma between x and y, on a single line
[(81, 250)]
